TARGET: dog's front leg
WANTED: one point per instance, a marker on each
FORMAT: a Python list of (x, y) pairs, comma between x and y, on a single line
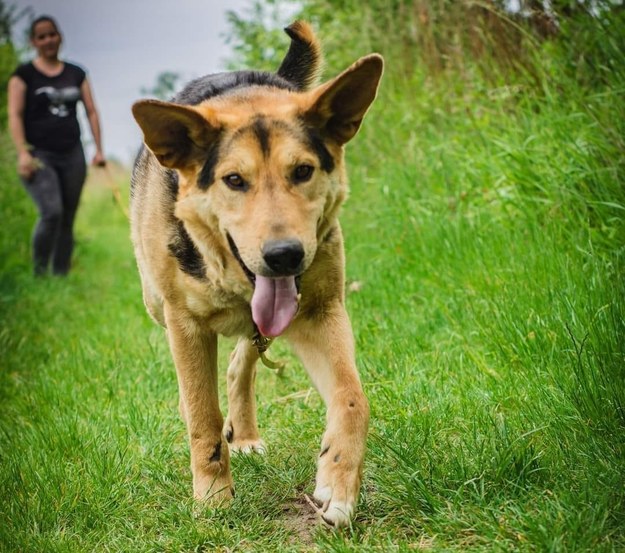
[(195, 355), (327, 351), (241, 429)]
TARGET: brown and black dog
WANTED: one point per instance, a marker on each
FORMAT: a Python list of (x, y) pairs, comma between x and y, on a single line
[(234, 206)]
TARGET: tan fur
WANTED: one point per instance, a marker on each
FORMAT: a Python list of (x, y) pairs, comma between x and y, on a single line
[(196, 310)]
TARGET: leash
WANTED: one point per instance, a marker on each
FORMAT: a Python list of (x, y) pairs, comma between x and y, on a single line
[(262, 343), (112, 184)]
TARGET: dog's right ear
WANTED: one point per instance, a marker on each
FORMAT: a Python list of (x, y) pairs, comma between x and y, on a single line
[(338, 107), (177, 135)]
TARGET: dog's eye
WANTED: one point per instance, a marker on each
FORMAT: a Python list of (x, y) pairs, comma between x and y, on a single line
[(235, 181), (302, 173)]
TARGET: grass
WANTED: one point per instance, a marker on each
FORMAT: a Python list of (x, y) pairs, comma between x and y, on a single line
[(485, 238)]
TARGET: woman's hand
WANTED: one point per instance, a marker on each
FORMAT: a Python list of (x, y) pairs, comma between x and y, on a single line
[(98, 160), (26, 164)]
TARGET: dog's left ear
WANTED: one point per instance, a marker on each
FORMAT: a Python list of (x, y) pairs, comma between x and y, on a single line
[(338, 107), (177, 135)]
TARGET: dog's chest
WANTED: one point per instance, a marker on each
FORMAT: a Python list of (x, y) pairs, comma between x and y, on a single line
[(224, 311)]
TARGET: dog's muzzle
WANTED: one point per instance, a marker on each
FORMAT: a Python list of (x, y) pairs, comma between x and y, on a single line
[(275, 300)]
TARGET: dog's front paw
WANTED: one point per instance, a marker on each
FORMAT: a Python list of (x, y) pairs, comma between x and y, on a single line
[(248, 446), (244, 439), (334, 512), (212, 480), (216, 491), (338, 484)]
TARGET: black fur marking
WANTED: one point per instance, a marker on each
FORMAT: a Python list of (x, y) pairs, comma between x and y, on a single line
[(325, 450), (235, 252), (337, 458), (207, 174), (259, 126), (329, 235), (172, 184), (210, 86), (230, 434), (315, 141), (216, 456), (183, 249), (311, 137)]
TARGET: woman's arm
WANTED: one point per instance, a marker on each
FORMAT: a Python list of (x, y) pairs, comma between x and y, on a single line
[(26, 164), (94, 122)]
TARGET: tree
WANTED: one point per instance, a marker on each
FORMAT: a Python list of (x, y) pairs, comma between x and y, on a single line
[(9, 15), (165, 87)]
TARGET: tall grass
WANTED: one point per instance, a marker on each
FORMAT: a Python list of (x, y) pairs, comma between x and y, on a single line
[(485, 240), (494, 270)]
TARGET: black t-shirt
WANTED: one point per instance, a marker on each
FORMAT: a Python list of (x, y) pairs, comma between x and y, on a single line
[(50, 120)]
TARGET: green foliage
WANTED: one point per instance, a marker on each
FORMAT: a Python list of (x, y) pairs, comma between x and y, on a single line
[(433, 35), (446, 39), (255, 37), (9, 15), (485, 241), (165, 87), (8, 63), (8, 55), (592, 48)]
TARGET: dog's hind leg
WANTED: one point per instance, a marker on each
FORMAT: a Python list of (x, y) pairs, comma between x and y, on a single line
[(241, 428), (195, 355), (326, 348)]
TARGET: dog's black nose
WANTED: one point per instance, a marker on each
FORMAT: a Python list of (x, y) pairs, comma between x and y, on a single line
[(283, 257)]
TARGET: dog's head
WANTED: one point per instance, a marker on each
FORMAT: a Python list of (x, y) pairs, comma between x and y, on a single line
[(261, 175)]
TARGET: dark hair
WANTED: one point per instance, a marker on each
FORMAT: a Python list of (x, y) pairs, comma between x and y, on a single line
[(41, 19)]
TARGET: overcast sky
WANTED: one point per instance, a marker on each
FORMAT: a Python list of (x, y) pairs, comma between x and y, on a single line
[(125, 44)]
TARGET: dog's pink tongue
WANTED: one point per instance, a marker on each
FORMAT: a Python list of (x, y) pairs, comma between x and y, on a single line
[(274, 304)]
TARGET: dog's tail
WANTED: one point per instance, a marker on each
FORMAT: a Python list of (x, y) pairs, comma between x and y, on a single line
[(302, 63)]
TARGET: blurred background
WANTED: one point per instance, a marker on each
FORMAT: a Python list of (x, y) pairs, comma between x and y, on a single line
[(130, 50), (485, 245)]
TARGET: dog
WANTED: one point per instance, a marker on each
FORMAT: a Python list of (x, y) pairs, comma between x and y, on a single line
[(234, 202)]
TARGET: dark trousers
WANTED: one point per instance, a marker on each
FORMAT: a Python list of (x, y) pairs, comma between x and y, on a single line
[(55, 188)]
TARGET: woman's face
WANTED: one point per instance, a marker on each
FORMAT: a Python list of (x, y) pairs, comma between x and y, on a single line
[(46, 39)]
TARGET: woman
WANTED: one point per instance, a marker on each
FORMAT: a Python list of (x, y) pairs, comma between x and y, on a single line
[(42, 98)]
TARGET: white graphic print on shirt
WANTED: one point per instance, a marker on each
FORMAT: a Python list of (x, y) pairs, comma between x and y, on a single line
[(59, 98)]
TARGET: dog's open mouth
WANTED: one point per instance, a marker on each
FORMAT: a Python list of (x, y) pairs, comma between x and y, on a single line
[(274, 301)]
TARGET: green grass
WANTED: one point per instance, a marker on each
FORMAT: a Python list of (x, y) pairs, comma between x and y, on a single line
[(486, 233)]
